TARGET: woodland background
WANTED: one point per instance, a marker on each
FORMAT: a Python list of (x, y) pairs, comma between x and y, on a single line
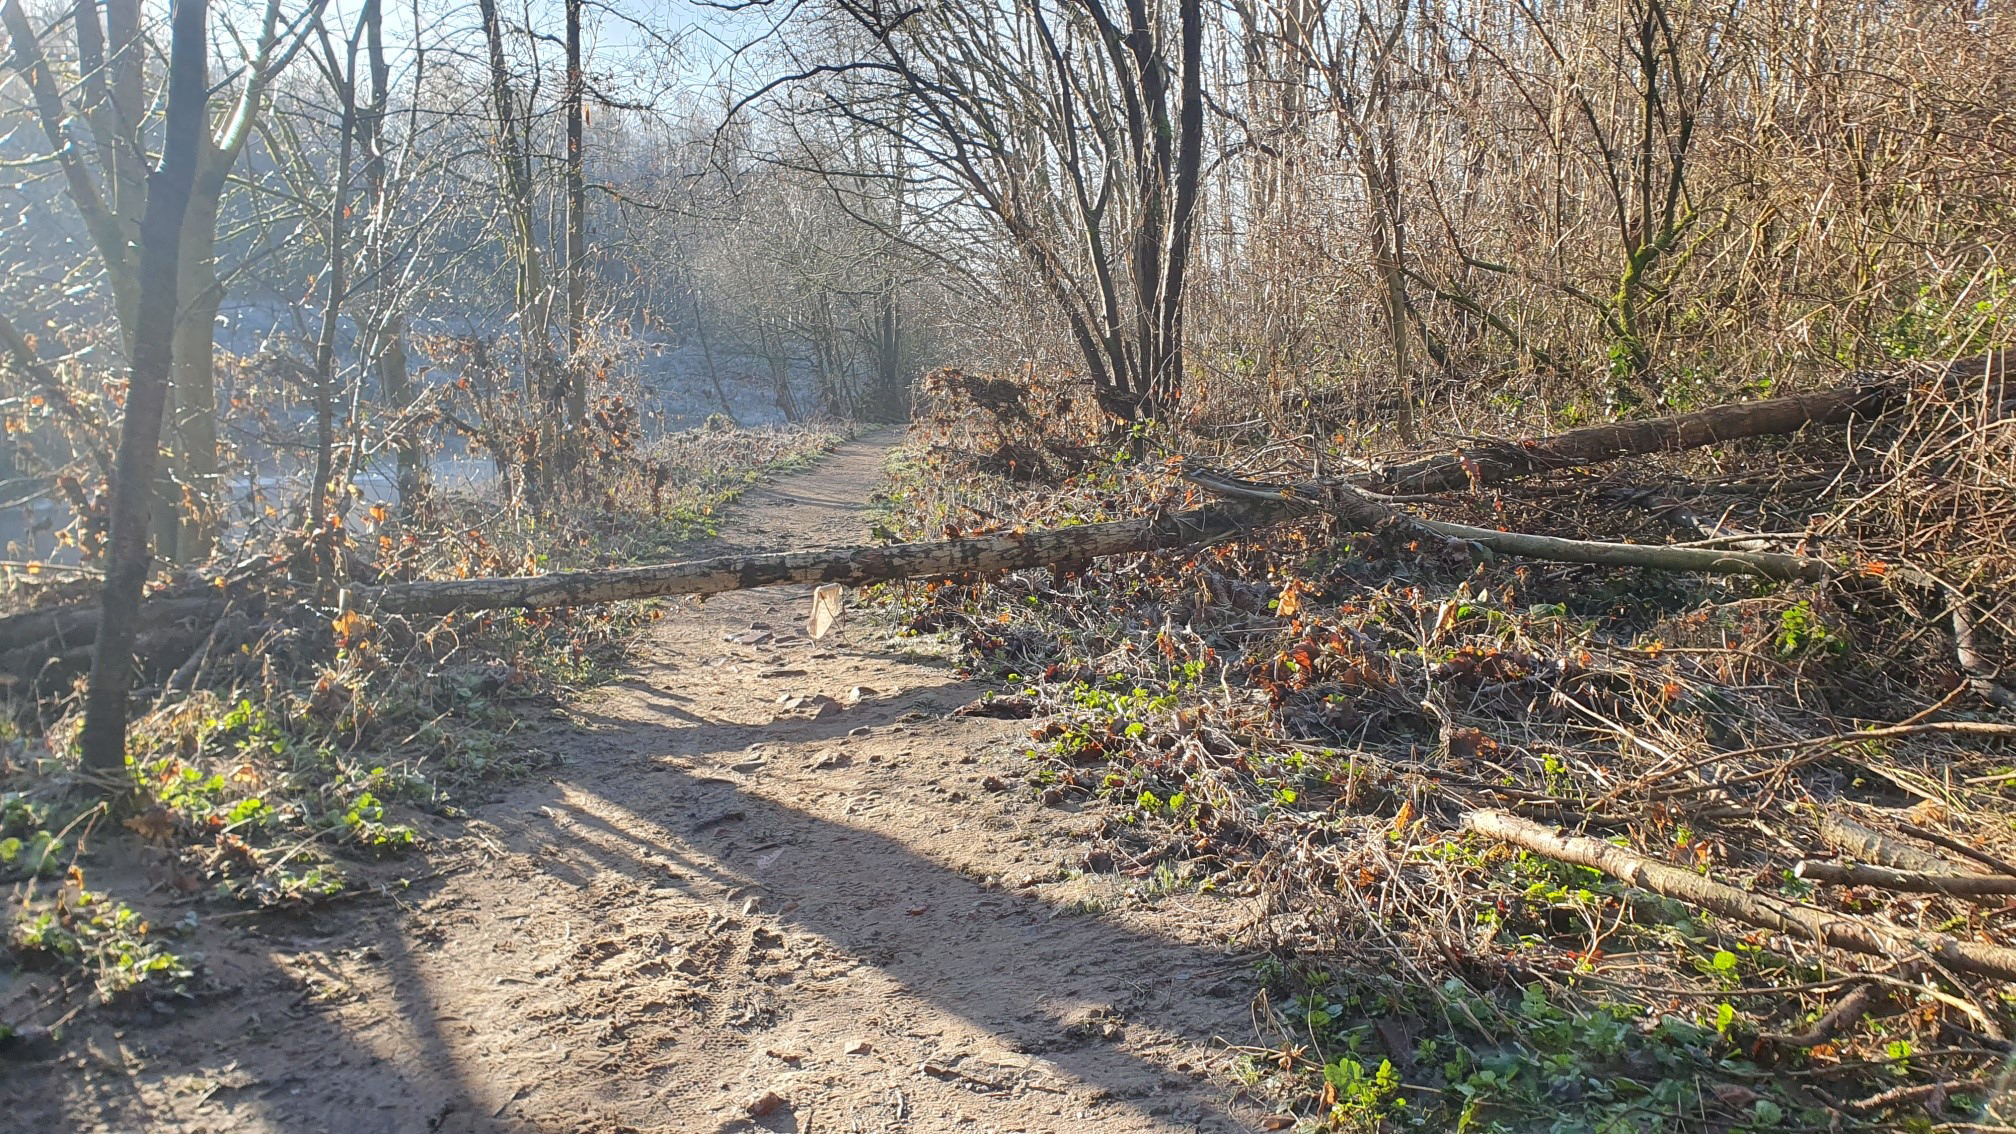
[(432, 293)]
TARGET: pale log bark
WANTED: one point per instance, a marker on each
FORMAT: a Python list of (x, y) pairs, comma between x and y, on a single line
[(1908, 881), (1865, 844), (1759, 910)]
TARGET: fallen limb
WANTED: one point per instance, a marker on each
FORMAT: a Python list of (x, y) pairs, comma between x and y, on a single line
[(1919, 1092), (1010, 551), (1866, 844), (1004, 551), (1366, 512), (1845, 1014), (1700, 560), (1906, 881), (1498, 461), (1982, 675), (1950, 843), (29, 641), (1759, 910)]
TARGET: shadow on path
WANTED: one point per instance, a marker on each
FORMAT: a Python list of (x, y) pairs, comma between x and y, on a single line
[(1009, 963)]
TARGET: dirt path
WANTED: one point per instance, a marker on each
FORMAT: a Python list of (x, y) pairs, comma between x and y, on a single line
[(714, 896)]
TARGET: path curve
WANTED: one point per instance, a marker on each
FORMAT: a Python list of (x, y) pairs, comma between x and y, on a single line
[(763, 866)]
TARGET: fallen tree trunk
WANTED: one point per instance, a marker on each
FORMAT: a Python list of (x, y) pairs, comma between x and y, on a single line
[(1004, 551), (1365, 513), (1499, 461), (1760, 910), (1009, 551), (27, 641), (77, 625)]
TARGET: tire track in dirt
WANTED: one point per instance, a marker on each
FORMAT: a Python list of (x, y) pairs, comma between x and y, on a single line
[(764, 865)]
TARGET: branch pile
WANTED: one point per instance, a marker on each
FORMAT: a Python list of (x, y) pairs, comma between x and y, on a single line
[(1478, 720)]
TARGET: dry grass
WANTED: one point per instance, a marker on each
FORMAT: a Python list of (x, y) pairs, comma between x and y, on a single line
[(1303, 715)]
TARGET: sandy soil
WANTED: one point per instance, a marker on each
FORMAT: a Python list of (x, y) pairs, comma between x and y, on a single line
[(761, 866)]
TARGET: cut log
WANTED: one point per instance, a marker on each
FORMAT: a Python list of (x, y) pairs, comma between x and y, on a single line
[(1004, 551), (1763, 911), (1905, 881), (1498, 461)]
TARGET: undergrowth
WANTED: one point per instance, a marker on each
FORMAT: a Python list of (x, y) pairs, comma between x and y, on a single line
[(287, 758), (1297, 718)]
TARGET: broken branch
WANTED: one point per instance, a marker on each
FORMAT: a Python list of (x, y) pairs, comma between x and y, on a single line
[(1365, 512), (1828, 929), (1495, 462), (1908, 881), (1003, 551)]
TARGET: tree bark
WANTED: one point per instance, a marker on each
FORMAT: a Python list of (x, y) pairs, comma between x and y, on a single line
[(1007, 551), (577, 222), (1805, 922), (344, 76), (1499, 461), (103, 740), (1909, 881)]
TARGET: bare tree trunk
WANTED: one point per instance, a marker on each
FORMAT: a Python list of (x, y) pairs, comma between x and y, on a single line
[(344, 76), (1500, 461), (577, 223), (707, 352), (385, 338), (775, 352), (886, 403), (1382, 183), (1166, 385), (103, 741), (188, 519), (542, 380)]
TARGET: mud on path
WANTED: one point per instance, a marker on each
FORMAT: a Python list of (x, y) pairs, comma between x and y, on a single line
[(845, 898)]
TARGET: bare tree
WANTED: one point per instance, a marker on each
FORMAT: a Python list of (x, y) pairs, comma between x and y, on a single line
[(342, 76), (158, 278), (112, 200), (542, 381), (576, 258), (1013, 104), (384, 338)]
